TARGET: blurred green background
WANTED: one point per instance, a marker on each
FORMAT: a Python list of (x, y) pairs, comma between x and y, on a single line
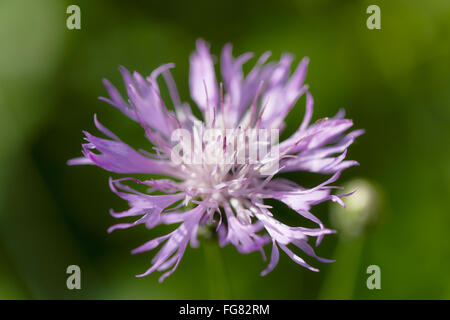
[(393, 82)]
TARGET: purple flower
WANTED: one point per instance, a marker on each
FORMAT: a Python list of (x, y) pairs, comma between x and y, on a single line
[(227, 196)]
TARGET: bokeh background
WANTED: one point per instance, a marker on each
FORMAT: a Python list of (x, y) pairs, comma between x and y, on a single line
[(393, 82)]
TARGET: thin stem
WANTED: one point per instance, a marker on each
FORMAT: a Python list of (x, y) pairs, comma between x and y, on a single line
[(218, 285), (340, 281)]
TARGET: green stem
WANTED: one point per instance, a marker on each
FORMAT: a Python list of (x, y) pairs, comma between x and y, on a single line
[(218, 285), (340, 281)]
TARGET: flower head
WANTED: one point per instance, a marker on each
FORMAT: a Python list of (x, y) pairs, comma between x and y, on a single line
[(220, 169)]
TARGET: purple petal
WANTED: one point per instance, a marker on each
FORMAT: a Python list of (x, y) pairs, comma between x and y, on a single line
[(202, 77)]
